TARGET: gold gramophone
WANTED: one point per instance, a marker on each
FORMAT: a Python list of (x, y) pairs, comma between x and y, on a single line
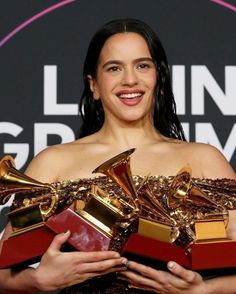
[(118, 169), (201, 218), (33, 211), (157, 223)]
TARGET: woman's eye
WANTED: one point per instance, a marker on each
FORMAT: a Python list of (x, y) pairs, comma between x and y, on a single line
[(143, 66), (113, 68)]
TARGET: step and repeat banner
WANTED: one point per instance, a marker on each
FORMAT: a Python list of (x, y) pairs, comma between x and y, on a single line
[(43, 45)]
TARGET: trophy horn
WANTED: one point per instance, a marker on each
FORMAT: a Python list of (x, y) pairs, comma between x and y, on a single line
[(13, 181), (184, 189), (118, 169), (153, 207), (147, 198)]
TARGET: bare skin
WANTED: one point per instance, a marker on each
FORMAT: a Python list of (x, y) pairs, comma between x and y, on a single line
[(125, 66)]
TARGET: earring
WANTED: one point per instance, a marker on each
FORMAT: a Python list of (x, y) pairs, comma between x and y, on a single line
[(95, 96)]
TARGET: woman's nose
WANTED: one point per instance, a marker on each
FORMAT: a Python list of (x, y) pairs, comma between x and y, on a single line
[(130, 77)]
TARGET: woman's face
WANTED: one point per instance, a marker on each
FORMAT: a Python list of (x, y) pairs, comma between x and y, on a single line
[(126, 78)]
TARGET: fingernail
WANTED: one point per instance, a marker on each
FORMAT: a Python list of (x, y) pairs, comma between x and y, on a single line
[(125, 262), (66, 232), (116, 255), (171, 265)]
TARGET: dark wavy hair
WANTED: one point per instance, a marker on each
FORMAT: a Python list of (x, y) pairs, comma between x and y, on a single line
[(164, 114)]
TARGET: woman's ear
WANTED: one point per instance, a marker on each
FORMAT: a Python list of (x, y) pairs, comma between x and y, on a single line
[(93, 87)]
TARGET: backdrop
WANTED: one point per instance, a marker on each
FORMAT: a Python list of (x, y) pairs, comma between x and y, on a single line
[(43, 45)]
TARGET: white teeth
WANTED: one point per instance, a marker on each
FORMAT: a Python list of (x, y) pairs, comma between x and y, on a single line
[(130, 96)]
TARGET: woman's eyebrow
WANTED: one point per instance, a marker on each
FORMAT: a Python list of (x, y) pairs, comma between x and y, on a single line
[(144, 59), (119, 62), (114, 61)]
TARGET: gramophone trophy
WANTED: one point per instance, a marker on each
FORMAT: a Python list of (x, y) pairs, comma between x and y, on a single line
[(28, 222)]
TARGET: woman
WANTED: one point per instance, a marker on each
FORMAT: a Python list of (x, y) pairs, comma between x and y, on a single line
[(127, 102)]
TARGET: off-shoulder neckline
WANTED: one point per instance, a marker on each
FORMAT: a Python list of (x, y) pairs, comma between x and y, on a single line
[(137, 177)]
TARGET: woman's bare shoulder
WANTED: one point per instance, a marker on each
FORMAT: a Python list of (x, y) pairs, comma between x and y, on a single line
[(206, 151), (210, 159), (44, 163), (48, 162), (197, 148), (48, 165), (56, 152)]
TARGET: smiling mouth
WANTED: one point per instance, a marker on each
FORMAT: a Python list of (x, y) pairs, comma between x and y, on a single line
[(131, 95), (130, 98)]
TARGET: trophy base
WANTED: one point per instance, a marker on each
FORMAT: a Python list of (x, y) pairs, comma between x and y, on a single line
[(27, 248), (84, 236), (205, 256)]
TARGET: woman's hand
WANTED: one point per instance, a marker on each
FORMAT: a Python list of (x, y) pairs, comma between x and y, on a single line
[(61, 269), (178, 280)]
